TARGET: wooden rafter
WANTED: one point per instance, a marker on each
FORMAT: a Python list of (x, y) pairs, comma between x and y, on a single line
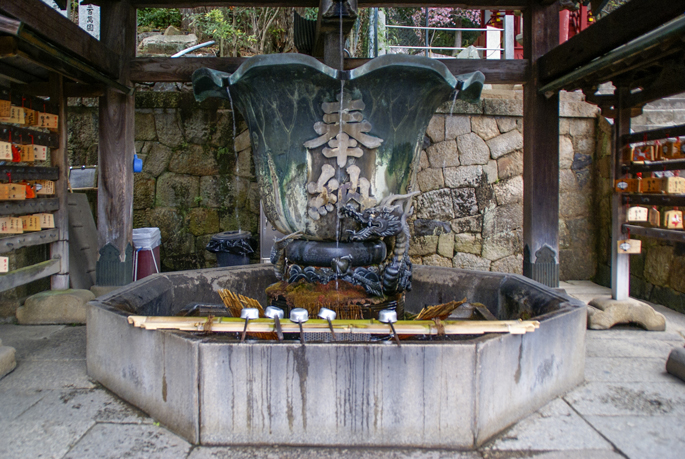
[(471, 4)]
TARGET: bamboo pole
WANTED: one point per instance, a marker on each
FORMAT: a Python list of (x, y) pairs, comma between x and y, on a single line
[(403, 327)]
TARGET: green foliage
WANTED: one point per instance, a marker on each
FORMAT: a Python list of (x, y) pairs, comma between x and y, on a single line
[(158, 18), (215, 24)]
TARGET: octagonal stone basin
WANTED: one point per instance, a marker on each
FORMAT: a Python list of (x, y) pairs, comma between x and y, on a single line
[(456, 394)]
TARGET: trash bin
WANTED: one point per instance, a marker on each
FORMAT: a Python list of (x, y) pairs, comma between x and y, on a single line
[(146, 259), (232, 248)]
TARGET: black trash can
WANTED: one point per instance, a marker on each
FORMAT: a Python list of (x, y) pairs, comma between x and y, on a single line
[(232, 248)]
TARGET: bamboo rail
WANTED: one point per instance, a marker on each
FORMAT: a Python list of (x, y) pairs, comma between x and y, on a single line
[(402, 327)]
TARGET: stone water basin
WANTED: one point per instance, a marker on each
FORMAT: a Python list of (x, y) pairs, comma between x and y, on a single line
[(457, 394)]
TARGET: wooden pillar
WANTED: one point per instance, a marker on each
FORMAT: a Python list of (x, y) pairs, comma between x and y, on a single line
[(620, 262), (58, 158), (115, 156), (540, 152)]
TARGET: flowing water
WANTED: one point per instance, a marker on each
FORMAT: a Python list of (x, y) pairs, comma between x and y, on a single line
[(454, 101), (237, 163)]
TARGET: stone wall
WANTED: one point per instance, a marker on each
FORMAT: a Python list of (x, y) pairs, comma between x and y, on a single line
[(193, 183), (470, 211), (658, 273)]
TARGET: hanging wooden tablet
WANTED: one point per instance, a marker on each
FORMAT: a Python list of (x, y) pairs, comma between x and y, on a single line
[(16, 116), (17, 192), (643, 153), (30, 223), (44, 187), (48, 120), (4, 264), (673, 219), (46, 220), (31, 116), (5, 151), (40, 152), (654, 217), (5, 108), (630, 246), (628, 185), (27, 153), (637, 214), (11, 225), (671, 148)]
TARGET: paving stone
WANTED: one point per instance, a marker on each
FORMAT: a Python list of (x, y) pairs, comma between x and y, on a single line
[(640, 437), (7, 361), (66, 344), (94, 404), (607, 312), (27, 339), (630, 332), (15, 403), (629, 369), (286, 452), (597, 347), (40, 439), (131, 441), (55, 307), (47, 374), (629, 399), (554, 427)]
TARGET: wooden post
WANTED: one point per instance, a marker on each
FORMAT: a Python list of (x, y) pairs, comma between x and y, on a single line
[(540, 152), (58, 157), (620, 262), (115, 156)]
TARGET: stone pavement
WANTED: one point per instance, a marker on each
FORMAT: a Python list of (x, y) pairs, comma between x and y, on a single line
[(629, 407)]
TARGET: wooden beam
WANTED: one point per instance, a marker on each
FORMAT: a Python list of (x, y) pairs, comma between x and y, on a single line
[(164, 69), (9, 25), (29, 206), (59, 158), (670, 200), (628, 22), (70, 89), (540, 153), (28, 274), (655, 134), (29, 173), (116, 149), (620, 262), (63, 33), (8, 244), (23, 136), (656, 233), (467, 4)]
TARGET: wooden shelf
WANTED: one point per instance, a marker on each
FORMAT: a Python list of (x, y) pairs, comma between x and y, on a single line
[(29, 274), (656, 233), (22, 135), (654, 199), (29, 206), (7, 244), (655, 134), (29, 173), (654, 166)]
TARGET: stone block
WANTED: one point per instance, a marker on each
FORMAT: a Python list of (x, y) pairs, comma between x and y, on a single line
[(675, 364), (468, 243), (573, 205), (437, 260), (490, 170), (157, 160), (485, 127), (607, 312), (565, 152), (143, 191), (582, 127), (677, 277), (584, 145), (243, 166), (145, 126), (460, 107), (169, 130), (464, 176), (423, 245), (222, 135), (443, 154), (471, 262), (577, 263), (446, 246), (166, 44), (512, 264), (575, 109), (210, 191), (168, 220), (505, 143), (465, 202), (503, 107), (506, 123), (510, 165), (430, 179), (567, 181), (7, 361), (203, 221), (242, 141), (509, 191), (55, 307), (436, 128), (177, 190), (194, 160), (424, 163), (472, 224), (502, 219), (435, 205), (668, 297), (101, 290), (472, 150), (657, 264), (456, 126), (564, 126), (503, 245), (423, 227)]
